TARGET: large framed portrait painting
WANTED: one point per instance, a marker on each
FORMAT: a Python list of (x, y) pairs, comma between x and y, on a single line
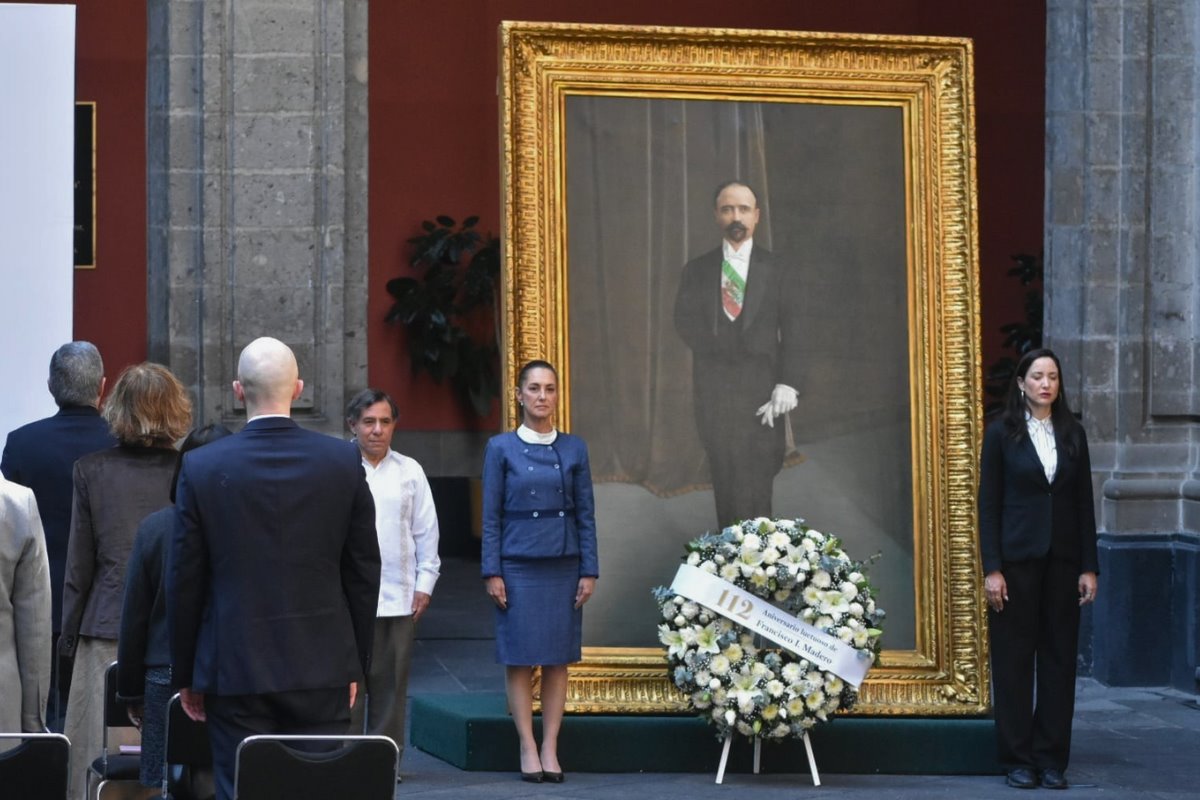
[(752, 257)]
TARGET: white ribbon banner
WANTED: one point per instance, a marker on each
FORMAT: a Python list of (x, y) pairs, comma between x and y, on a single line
[(826, 652)]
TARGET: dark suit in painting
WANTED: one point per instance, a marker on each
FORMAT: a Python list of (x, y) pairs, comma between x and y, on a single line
[(735, 366), (1041, 535), (273, 582)]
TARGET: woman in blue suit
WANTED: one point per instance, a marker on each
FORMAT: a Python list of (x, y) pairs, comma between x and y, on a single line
[(539, 560), (1037, 529)]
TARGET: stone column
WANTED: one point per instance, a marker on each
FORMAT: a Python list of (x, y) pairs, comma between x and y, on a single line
[(257, 120), (1121, 310)]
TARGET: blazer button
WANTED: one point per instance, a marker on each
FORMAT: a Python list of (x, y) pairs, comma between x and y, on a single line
[(556, 466), (562, 513), (529, 468), (533, 491), (535, 515)]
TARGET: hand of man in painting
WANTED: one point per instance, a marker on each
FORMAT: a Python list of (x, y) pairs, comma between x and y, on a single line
[(783, 399), (420, 603), (585, 589), (193, 704), (1087, 588), (996, 590), (495, 590)]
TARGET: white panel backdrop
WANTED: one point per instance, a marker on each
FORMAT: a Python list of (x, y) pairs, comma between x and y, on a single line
[(37, 112)]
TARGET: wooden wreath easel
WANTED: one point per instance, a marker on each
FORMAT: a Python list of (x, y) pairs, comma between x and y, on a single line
[(812, 762)]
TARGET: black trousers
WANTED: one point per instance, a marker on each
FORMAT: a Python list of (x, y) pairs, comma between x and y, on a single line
[(1035, 641), (232, 718), (744, 456)]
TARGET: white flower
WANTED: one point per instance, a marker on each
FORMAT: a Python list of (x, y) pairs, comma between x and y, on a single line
[(845, 634), (808, 615), (812, 595), (815, 535), (770, 556), (770, 711), (824, 621), (855, 578), (815, 700), (833, 604), (706, 640), (795, 706), (763, 524), (702, 677), (779, 540), (780, 730), (752, 541), (856, 609), (758, 669), (730, 716), (679, 621), (733, 652), (714, 683), (672, 639), (744, 729), (782, 594), (861, 637), (870, 606), (791, 672), (809, 546), (693, 559), (759, 577), (720, 559), (730, 572), (720, 696), (833, 684), (689, 635), (821, 579), (745, 689), (678, 600), (849, 590), (795, 555), (771, 572), (709, 567), (718, 713), (775, 688), (701, 699), (719, 665), (690, 610)]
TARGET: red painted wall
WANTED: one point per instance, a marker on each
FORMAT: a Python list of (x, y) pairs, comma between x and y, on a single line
[(434, 145), (110, 68)]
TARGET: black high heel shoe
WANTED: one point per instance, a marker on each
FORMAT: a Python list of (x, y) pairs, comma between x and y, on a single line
[(553, 777), (533, 777)]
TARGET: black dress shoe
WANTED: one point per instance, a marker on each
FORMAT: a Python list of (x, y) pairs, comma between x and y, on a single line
[(1053, 779), (553, 777), (532, 777), (1021, 778)]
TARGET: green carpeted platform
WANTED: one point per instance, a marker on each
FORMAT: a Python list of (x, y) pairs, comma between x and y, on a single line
[(474, 732)]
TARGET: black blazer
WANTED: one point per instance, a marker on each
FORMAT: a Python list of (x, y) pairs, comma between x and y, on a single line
[(41, 455), (770, 314), (1023, 516), (273, 564)]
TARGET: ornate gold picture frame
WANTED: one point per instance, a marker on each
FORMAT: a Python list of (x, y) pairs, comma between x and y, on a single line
[(901, 108)]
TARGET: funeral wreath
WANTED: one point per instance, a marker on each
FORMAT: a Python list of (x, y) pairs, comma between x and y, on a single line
[(769, 627)]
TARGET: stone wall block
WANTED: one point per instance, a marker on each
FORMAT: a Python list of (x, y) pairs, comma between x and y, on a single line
[(274, 199), (1104, 138), (1065, 140), (1102, 193), (1173, 27), (276, 142), (271, 84), (280, 256), (273, 28), (1066, 196), (1102, 87)]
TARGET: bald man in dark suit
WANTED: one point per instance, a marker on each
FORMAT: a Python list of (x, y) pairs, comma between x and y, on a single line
[(273, 575)]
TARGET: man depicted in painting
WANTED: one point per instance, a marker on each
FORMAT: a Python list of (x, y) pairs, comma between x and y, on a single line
[(735, 309)]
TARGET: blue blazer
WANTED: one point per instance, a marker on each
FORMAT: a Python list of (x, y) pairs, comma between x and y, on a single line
[(1023, 516), (538, 503), (273, 563), (42, 456)]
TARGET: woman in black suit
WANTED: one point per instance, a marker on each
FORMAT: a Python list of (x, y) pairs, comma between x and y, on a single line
[(1037, 532)]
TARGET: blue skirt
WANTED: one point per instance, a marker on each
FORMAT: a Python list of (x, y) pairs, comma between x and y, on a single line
[(541, 626)]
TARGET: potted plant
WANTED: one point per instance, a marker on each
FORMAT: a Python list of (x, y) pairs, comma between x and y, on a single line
[(445, 309)]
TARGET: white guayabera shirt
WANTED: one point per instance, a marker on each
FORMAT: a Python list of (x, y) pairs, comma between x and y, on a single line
[(407, 525)]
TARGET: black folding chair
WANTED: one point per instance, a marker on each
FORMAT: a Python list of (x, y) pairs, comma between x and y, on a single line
[(36, 769), (187, 771), (113, 766), (361, 767)]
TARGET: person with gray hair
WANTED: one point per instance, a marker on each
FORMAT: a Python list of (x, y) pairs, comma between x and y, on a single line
[(407, 526), (42, 455)]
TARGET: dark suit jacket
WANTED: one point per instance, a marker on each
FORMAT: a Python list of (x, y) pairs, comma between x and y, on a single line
[(40, 455), (770, 316), (1023, 516), (273, 565), (143, 641)]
